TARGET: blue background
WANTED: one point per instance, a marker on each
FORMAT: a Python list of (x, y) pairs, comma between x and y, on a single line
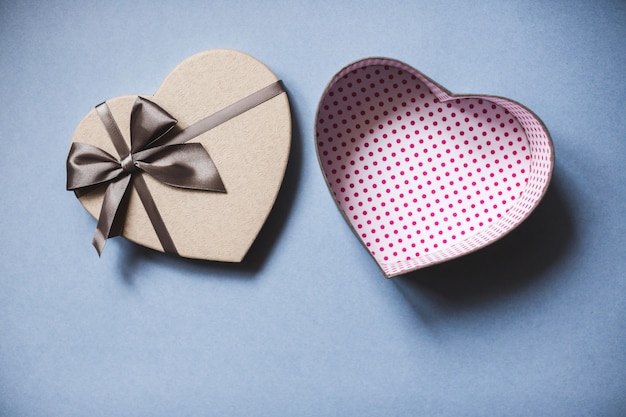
[(534, 325)]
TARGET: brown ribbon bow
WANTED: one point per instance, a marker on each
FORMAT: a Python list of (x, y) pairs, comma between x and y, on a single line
[(186, 165), (154, 151)]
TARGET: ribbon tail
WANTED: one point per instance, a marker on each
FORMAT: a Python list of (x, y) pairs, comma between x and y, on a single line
[(112, 213), (154, 215)]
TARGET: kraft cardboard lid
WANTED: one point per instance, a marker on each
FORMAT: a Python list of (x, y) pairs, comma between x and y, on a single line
[(250, 152)]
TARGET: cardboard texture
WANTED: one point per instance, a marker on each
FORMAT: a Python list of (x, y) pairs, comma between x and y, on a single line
[(422, 175), (250, 151)]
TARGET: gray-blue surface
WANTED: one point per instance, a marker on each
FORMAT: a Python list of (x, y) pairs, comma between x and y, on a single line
[(534, 325)]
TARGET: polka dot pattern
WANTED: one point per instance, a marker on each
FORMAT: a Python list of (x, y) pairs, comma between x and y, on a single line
[(423, 176)]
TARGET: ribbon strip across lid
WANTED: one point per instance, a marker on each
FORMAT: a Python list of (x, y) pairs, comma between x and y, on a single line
[(155, 150)]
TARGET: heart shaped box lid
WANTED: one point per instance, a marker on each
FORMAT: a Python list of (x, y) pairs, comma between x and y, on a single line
[(422, 175), (250, 151)]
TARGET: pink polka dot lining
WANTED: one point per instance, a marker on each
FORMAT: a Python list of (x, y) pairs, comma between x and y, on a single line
[(423, 176)]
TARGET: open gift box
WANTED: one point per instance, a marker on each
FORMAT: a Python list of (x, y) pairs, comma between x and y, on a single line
[(422, 175)]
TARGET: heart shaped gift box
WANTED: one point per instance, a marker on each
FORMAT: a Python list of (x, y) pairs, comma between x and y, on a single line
[(192, 170), (421, 175)]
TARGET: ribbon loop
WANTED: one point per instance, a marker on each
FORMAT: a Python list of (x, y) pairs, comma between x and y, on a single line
[(198, 172), (148, 122), (88, 165)]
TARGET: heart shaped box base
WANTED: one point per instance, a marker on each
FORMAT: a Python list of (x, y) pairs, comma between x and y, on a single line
[(250, 152), (422, 175)]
